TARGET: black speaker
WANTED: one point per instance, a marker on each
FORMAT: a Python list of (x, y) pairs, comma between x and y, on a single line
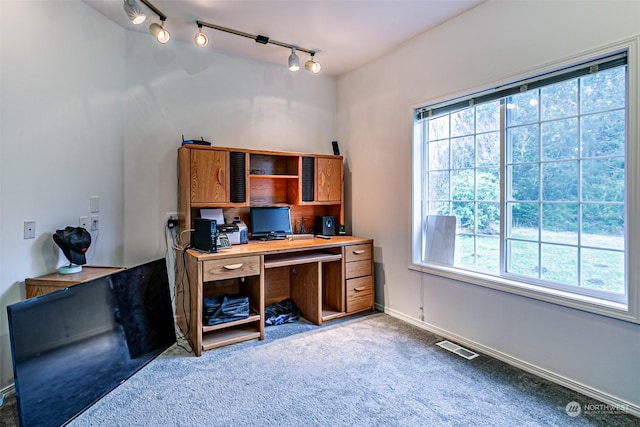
[(237, 177), (205, 235), (308, 172), (336, 150), (325, 225)]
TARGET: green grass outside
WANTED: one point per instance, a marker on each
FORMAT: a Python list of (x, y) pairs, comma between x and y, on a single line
[(601, 269)]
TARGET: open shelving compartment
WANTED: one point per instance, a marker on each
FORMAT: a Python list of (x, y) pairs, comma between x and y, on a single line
[(273, 179), (238, 330), (312, 280)]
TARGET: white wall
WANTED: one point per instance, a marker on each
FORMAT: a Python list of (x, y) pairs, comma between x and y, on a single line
[(178, 89), (93, 109), (492, 42)]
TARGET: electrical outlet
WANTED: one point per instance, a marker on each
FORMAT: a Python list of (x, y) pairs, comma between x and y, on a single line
[(29, 229), (95, 223), (172, 219), (82, 222)]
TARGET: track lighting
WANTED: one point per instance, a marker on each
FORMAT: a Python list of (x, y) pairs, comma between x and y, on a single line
[(201, 38), (137, 16), (159, 32), (294, 61), (312, 65), (134, 11)]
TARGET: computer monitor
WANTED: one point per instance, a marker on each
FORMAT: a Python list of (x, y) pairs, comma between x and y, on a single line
[(270, 222)]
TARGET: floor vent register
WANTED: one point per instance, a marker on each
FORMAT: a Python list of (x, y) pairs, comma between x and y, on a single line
[(455, 348)]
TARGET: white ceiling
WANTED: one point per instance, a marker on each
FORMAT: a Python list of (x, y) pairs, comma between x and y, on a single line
[(345, 33)]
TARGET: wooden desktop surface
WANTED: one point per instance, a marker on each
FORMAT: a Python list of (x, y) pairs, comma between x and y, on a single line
[(259, 247)]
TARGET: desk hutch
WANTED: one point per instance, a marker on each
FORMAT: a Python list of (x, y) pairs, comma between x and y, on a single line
[(326, 279)]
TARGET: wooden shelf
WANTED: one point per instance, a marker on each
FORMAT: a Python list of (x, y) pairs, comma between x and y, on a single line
[(230, 335), (273, 176), (215, 205), (252, 318), (328, 314)]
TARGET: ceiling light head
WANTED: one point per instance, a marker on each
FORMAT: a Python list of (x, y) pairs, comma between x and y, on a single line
[(201, 39), (312, 65), (134, 11), (294, 61), (159, 32)]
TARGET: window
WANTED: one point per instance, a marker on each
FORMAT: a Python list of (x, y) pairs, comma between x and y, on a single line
[(535, 175)]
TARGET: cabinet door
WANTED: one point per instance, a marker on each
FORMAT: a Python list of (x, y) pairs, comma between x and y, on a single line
[(209, 176), (329, 180)]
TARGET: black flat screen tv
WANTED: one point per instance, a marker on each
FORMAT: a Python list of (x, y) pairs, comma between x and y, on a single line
[(270, 221), (72, 346)]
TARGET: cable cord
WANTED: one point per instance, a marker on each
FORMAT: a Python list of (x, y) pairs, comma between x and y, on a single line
[(171, 246), (185, 277)]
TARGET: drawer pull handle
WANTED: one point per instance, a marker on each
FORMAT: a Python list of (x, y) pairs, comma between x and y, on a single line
[(360, 252), (360, 289), (233, 266)]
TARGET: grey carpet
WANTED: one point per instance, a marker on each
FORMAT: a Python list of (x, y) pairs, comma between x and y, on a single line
[(374, 370)]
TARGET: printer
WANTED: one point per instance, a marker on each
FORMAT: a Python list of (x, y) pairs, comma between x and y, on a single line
[(236, 231)]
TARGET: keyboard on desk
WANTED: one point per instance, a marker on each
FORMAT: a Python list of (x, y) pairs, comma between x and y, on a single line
[(273, 237), (299, 236)]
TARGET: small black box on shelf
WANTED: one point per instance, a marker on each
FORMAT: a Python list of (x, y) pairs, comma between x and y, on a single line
[(205, 233), (325, 225)]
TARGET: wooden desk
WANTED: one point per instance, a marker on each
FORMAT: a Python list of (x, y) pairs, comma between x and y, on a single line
[(52, 282), (326, 279)]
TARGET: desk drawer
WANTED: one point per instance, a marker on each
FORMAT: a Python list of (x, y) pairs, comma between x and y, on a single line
[(357, 252), (218, 269), (358, 269), (359, 294)]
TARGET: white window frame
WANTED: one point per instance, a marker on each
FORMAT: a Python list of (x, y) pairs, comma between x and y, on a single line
[(628, 311)]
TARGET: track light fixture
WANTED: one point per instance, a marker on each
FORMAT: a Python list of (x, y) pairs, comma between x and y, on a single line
[(312, 65), (294, 61), (137, 16), (134, 11), (159, 32), (201, 38)]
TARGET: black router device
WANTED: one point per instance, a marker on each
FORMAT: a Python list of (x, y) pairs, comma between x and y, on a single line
[(195, 141)]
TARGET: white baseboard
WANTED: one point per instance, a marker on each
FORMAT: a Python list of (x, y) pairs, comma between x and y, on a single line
[(603, 397), (10, 389), (7, 391)]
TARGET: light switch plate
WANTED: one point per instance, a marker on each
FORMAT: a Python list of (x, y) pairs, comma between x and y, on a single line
[(94, 202)]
